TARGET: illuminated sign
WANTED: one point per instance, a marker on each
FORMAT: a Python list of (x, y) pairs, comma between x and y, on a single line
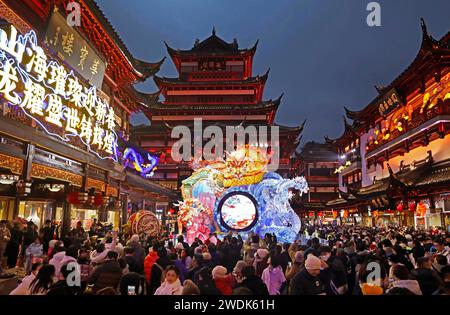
[(134, 160), (238, 211), (53, 97), (74, 49), (389, 102)]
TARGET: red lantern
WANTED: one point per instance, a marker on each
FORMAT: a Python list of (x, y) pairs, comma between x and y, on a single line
[(98, 200), (412, 207), (72, 198), (400, 208)]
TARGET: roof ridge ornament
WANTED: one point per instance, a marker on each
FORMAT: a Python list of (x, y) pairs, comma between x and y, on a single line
[(214, 31)]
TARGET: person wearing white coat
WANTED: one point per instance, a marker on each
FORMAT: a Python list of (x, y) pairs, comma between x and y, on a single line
[(171, 284)]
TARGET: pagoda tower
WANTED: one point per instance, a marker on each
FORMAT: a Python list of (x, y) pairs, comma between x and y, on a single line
[(216, 83)]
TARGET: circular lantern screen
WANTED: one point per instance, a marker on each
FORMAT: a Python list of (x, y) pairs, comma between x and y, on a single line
[(238, 211)]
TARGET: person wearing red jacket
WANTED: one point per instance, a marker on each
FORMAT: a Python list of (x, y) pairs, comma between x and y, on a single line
[(222, 280), (150, 260)]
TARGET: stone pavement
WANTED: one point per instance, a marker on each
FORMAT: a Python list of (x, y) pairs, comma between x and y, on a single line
[(7, 285)]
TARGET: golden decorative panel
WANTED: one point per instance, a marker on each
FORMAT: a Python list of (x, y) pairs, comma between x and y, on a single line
[(112, 191), (15, 165), (10, 16), (44, 172), (95, 183)]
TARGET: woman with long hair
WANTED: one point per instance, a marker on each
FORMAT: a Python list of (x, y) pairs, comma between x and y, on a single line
[(43, 281)]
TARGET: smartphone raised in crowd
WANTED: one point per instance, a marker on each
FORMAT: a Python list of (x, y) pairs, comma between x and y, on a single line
[(131, 290)]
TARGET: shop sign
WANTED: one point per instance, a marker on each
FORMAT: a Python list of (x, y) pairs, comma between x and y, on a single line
[(53, 96), (388, 102), (71, 46)]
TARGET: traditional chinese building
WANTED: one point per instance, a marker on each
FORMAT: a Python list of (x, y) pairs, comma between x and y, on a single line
[(395, 161), (215, 83), (66, 95), (317, 162)]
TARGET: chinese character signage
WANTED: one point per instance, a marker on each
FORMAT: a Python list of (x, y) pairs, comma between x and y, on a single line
[(52, 96), (74, 49), (389, 102)]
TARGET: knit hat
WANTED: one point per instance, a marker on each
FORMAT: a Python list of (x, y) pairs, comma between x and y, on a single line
[(219, 272), (312, 262), (239, 266)]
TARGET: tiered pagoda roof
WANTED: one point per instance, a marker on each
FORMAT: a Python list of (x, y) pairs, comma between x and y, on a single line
[(317, 152), (213, 44), (349, 133), (432, 54), (142, 69)]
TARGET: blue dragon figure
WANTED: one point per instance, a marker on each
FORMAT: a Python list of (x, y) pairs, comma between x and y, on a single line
[(133, 159), (275, 213)]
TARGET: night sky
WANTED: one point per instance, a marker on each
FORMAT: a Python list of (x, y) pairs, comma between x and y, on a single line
[(322, 54)]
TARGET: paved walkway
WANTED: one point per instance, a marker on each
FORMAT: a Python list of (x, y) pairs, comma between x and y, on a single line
[(7, 285)]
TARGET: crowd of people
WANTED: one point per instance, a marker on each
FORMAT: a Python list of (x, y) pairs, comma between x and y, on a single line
[(346, 260)]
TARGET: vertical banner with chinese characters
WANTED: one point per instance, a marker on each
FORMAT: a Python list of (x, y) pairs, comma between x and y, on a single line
[(71, 47), (52, 96)]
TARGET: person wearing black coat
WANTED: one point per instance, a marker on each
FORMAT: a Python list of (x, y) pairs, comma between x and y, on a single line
[(283, 256), (133, 264), (253, 282), (47, 235), (429, 280), (206, 283), (62, 287), (311, 280), (29, 236), (12, 249), (157, 269)]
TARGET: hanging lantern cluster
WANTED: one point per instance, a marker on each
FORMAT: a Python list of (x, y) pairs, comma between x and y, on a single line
[(95, 199)]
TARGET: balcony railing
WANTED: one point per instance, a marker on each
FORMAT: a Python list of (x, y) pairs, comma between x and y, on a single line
[(418, 119)]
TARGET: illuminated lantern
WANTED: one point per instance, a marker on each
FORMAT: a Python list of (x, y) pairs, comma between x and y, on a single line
[(335, 214), (421, 209), (412, 207), (375, 213), (400, 208), (171, 211), (345, 214)]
